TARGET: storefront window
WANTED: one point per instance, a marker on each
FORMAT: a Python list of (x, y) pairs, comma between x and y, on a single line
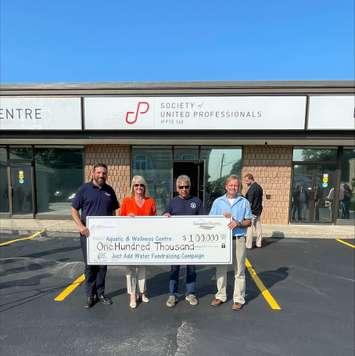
[(21, 153), (314, 185), (185, 153), (314, 154), (347, 185), (155, 164), (207, 168), (59, 173), (219, 163), (313, 193), (4, 187)]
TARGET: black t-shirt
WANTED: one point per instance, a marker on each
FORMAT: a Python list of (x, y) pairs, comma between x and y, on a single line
[(95, 201)]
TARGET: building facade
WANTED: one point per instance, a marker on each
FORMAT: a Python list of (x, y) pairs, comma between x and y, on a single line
[(296, 138)]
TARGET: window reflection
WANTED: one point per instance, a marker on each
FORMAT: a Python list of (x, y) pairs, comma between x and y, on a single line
[(21, 153), (347, 186), (155, 165), (4, 188), (314, 154), (219, 164), (313, 193), (185, 153), (59, 173)]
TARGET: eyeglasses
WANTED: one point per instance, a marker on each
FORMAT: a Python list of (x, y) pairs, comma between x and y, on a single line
[(184, 187), (139, 185)]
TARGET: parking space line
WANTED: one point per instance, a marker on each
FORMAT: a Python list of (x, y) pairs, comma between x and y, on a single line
[(264, 291), (70, 289), (23, 238), (345, 243)]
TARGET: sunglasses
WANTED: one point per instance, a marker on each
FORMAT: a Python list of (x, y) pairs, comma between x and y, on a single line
[(139, 185), (184, 187)]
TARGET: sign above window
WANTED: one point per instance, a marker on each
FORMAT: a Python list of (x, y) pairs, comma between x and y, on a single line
[(31, 113), (331, 112), (195, 113)]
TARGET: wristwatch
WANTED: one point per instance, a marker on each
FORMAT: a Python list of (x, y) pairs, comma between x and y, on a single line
[(239, 223)]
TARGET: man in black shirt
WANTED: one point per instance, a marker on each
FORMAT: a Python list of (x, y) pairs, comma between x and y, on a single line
[(255, 197), (95, 198)]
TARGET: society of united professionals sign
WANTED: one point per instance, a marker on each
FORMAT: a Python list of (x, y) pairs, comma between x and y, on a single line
[(195, 113), (159, 240)]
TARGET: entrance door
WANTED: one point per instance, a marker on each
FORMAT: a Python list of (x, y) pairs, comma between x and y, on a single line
[(313, 193), (195, 171), (21, 189)]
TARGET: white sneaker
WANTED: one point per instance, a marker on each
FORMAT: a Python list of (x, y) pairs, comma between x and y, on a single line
[(144, 298), (170, 303), (191, 299)]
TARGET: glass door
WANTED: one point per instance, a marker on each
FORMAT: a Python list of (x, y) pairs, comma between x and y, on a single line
[(313, 193), (21, 189)]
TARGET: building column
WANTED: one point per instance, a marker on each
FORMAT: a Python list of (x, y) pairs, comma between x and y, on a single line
[(118, 161), (271, 167)]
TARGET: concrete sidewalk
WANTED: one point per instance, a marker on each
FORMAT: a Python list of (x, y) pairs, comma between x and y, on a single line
[(24, 226)]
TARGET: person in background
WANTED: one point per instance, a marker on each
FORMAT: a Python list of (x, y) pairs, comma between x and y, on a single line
[(345, 199), (255, 198), (95, 198), (329, 200), (137, 204), (183, 204), (234, 206)]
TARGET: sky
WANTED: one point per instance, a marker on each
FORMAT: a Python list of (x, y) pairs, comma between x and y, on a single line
[(79, 41)]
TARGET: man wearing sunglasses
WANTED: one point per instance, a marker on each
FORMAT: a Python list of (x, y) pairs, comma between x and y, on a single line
[(183, 204)]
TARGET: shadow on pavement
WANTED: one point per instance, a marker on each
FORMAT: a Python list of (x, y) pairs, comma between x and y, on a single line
[(52, 252), (269, 278), (38, 293), (30, 266)]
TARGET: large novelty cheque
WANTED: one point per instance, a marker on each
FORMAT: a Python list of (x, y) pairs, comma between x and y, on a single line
[(159, 240)]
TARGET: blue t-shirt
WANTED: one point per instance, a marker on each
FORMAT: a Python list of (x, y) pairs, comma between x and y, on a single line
[(188, 206), (240, 210), (95, 201)]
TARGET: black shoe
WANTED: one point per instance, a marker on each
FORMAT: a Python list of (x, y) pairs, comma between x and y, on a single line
[(90, 302), (104, 300)]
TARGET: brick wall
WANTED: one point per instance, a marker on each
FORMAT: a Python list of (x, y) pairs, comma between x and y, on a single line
[(271, 167), (118, 161)]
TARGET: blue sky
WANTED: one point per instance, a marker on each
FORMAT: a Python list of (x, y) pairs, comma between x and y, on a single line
[(119, 41)]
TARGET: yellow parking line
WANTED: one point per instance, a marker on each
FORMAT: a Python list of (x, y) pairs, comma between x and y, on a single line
[(70, 289), (346, 243), (23, 238), (264, 291)]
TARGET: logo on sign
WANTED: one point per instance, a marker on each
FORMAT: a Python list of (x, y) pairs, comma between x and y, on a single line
[(141, 109)]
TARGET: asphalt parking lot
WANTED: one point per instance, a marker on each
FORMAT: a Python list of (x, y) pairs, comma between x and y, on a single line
[(312, 280)]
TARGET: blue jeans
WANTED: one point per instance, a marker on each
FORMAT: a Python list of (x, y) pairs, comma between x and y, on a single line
[(190, 279)]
